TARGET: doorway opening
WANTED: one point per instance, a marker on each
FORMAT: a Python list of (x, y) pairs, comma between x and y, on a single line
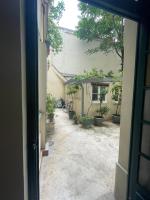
[(90, 79)]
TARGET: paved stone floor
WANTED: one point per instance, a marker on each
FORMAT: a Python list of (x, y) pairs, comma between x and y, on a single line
[(81, 163)]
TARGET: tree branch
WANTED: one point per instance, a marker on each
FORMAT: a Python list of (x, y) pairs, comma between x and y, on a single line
[(117, 51)]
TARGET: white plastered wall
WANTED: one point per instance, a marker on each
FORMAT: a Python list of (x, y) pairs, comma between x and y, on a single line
[(73, 58)]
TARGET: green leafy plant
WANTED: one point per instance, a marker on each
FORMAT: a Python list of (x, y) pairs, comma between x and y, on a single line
[(86, 121), (54, 38), (50, 106), (71, 91), (117, 95), (76, 119), (102, 109), (93, 73), (103, 27)]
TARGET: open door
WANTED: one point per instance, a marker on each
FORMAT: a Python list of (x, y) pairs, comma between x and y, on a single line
[(139, 179)]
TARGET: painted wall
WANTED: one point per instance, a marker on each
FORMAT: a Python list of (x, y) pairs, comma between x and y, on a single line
[(73, 59), (42, 66), (13, 168), (126, 110), (55, 84)]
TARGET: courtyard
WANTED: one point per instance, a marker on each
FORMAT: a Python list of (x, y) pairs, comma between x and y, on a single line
[(81, 162)]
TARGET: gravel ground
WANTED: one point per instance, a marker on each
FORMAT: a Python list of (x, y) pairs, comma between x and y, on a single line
[(81, 162)]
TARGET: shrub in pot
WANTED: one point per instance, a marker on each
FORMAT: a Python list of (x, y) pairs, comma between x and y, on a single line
[(98, 119), (86, 121), (116, 96), (71, 91), (76, 119), (50, 107)]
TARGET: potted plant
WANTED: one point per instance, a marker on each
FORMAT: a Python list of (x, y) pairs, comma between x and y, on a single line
[(76, 119), (98, 119), (50, 107), (116, 96), (86, 121), (71, 91)]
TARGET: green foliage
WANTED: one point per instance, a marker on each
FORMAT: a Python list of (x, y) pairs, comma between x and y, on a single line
[(103, 92), (102, 111), (110, 74), (86, 121), (72, 89), (50, 104), (94, 73), (76, 119), (85, 118), (105, 28), (53, 35), (117, 94), (116, 91)]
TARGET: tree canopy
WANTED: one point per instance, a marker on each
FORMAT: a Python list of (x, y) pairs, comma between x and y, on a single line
[(98, 25), (54, 15)]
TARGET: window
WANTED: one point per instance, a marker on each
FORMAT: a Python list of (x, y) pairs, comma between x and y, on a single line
[(96, 91)]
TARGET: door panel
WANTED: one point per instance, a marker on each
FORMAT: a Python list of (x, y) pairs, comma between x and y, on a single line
[(139, 197), (144, 175), (147, 83), (139, 182), (147, 105), (145, 147)]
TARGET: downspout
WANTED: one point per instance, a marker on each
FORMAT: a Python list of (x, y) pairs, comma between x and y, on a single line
[(82, 100)]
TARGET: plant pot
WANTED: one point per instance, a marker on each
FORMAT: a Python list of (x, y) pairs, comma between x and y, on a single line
[(50, 127), (51, 117), (116, 119), (71, 114), (75, 119), (98, 120), (87, 123)]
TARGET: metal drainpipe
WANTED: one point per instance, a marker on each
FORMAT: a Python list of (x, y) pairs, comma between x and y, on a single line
[(82, 100)]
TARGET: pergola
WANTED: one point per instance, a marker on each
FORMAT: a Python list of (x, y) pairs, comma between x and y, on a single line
[(94, 80)]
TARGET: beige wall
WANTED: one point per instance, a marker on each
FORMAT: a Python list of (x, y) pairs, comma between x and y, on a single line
[(42, 90), (73, 59), (42, 66), (95, 105), (13, 169), (55, 84), (126, 110)]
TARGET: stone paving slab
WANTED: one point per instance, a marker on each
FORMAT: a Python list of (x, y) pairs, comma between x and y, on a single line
[(81, 163)]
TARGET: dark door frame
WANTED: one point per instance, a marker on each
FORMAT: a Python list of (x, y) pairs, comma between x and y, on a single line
[(115, 6), (137, 112), (31, 29)]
